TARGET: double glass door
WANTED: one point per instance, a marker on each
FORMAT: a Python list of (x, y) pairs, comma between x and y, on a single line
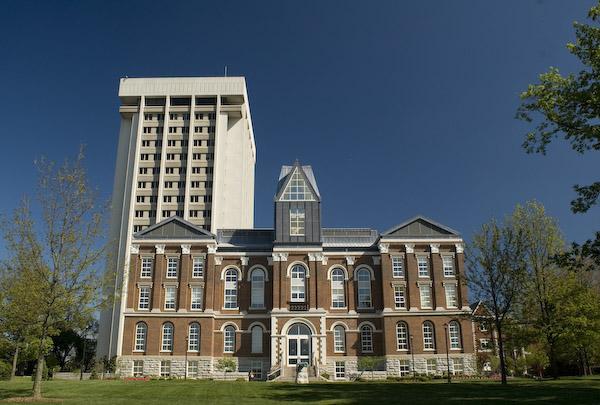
[(298, 350)]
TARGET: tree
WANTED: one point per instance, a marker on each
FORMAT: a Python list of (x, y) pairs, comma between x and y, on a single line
[(369, 363), (569, 106), (226, 364), (496, 273), (55, 262), (537, 360)]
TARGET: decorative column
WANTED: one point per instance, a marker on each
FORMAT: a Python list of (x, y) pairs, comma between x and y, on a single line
[(386, 277), (159, 269), (283, 280), (312, 280), (134, 275), (274, 263), (412, 278), (184, 276), (437, 277), (463, 298), (350, 284), (209, 291)]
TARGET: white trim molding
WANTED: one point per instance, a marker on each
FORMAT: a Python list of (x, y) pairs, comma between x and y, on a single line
[(185, 249), (134, 249), (384, 247), (410, 247), (460, 247), (435, 247), (160, 249)]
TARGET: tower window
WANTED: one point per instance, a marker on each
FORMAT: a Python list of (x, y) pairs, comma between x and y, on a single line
[(297, 221)]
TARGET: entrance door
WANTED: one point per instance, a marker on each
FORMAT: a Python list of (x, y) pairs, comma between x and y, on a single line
[(299, 344)]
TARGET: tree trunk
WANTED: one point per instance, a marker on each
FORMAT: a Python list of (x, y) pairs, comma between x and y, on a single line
[(501, 353), (553, 361), (14, 363), (37, 382)]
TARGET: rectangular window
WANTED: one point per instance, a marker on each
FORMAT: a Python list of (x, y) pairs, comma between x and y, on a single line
[(297, 221), (423, 265), (483, 327), (397, 267), (196, 298), (198, 267), (457, 366), (485, 344), (172, 264), (144, 301), (165, 368), (403, 368), (448, 264), (256, 369), (146, 271), (340, 370), (170, 296), (451, 296), (431, 366), (425, 292), (138, 368), (192, 369), (400, 296)]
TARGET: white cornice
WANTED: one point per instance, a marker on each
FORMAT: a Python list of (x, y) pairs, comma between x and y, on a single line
[(185, 249), (160, 249), (435, 247), (134, 249), (460, 247), (384, 247), (410, 247)]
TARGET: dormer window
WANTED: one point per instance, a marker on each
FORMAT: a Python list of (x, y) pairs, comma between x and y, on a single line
[(297, 189), (296, 221)]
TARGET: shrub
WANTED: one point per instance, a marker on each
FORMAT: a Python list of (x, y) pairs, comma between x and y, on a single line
[(5, 370)]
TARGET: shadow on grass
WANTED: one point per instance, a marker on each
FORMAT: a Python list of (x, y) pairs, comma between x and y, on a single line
[(436, 393)]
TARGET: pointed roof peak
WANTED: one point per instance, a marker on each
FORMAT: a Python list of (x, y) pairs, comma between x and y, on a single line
[(173, 227), (305, 174)]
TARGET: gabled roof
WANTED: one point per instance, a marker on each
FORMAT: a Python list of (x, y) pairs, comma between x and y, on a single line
[(306, 172), (174, 228), (421, 227)]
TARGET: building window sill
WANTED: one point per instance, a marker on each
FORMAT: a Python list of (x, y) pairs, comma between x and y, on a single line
[(231, 309)]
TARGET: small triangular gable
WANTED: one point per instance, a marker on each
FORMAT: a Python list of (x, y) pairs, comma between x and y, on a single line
[(421, 227), (297, 187), (174, 228)]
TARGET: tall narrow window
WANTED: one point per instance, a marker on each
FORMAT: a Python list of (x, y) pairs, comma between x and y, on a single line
[(257, 297), (141, 331), (428, 336), (229, 339), (146, 271), (194, 337), (339, 339), (451, 298), (400, 296), (298, 283), (172, 264), (196, 299), (231, 280), (454, 335), (338, 296), (366, 339), (402, 335), (170, 297), (423, 266), (167, 337), (198, 267), (425, 293), (397, 267), (257, 339), (297, 221), (144, 300), (448, 264), (364, 288)]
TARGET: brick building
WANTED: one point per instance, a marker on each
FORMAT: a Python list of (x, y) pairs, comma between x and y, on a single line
[(297, 293)]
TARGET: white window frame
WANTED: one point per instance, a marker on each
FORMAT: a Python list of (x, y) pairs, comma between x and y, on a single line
[(257, 288), (454, 335), (192, 368), (198, 267), (339, 339), (340, 370), (428, 366), (257, 339), (146, 267), (144, 294), (400, 296), (460, 362), (423, 266), (170, 298), (425, 296), (196, 297), (366, 339), (172, 266), (402, 336), (428, 336), (193, 337), (230, 286), (338, 288), (365, 299), (166, 341), (298, 283), (297, 189), (451, 292), (137, 369), (488, 343), (165, 368), (397, 267), (297, 221), (404, 367), (448, 266), (141, 334), (228, 339)]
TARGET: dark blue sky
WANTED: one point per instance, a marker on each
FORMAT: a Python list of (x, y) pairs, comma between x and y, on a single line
[(400, 107)]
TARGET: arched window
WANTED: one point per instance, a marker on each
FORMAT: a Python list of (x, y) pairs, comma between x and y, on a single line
[(454, 335), (402, 335), (231, 279), (339, 339), (428, 336), (364, 288), (299, 329), (338, 296), (229, 339), (366, 338), (298, 283), (194, 337), (141, 331), (257, 279), (167, 337), (257, 339)]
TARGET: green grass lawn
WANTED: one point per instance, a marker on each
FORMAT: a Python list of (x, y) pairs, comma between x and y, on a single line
[(563, 391)]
